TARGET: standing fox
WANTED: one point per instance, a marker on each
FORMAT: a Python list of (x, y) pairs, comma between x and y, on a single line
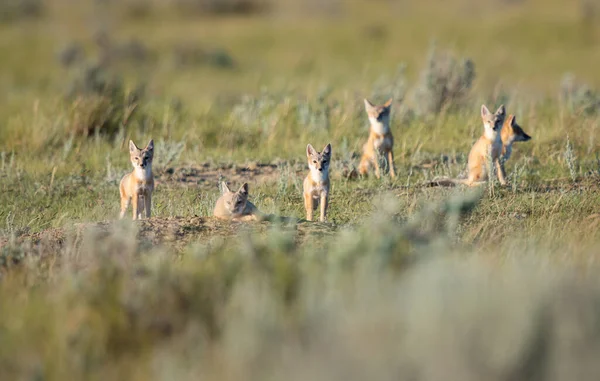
[(488, 146), (316, 184), (380, 142), (136, 187), (235, 205), (511, 133)]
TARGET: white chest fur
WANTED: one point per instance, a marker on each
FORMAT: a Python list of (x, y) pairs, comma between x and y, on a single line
[(379, 127), (319, 179), (144, 177), (143, 174)]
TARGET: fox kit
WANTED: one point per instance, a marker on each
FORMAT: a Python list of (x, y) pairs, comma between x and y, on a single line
[(490, 144), (316, 184), (235, 205), (136, 187), (511, 133), (380, 142)]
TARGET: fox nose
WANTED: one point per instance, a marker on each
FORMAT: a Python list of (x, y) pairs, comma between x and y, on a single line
[(321, 169)]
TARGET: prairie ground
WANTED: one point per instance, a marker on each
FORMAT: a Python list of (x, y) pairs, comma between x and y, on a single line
[(404, 280)]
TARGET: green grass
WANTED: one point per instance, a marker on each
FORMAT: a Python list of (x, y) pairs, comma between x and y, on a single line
[(404, 281)]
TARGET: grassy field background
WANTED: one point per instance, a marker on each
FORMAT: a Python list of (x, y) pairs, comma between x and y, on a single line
[(404, 281)]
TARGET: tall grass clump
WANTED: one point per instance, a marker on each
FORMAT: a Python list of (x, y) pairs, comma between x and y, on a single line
[(101, 104), (580, 99), (571, 160), (216, 7), (16, 10), (444, 82)]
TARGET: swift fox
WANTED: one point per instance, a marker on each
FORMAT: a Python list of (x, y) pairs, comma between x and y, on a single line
[(380, 142), (136, 187), (316, 184), (488, 145), (511, 133), (235, 205)]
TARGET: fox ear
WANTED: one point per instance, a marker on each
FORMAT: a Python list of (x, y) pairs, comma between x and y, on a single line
[(388, 104), (484, 111), (150, 146), (327, 149), (501, 111), (310, 150), (132, 147), (224, 187), (243, 189), (512, 120), (368, 105)]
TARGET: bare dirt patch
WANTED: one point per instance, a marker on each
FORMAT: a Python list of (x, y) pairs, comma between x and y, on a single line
[(207, 175)]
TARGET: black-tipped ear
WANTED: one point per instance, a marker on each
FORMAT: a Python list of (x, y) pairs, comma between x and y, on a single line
[(368, 105), (501, 111), (150, 146), (310, 150), (484, 111), (327, 149), (388, 104), (224, 187), (512, 119), (244, 189)]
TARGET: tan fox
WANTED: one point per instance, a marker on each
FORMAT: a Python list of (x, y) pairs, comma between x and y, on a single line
[(316, 184), (235, 205), (488, 146), (380, 142), (511, 133), (137, 187)]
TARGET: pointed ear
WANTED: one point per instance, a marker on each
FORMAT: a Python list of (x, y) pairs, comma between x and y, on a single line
[(150, 146), (243, 189), (388, 104), (368, 105), (224, 187), (512, 120), (501, 111), (484, 111), (327, 150), (132, 147), (310, 150)]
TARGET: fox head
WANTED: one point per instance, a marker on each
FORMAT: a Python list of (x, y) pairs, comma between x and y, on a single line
[(318, 162), (379, 116), (512, 132), (141, 158), (492, 123), (235, 202)]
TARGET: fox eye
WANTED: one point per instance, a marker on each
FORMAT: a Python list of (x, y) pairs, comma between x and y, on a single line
[(324, 161), (136, 158), (314, 162)]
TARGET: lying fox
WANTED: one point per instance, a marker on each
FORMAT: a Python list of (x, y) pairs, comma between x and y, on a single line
[(316, 184), (137, 187), (380, 142), (235, 205)]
